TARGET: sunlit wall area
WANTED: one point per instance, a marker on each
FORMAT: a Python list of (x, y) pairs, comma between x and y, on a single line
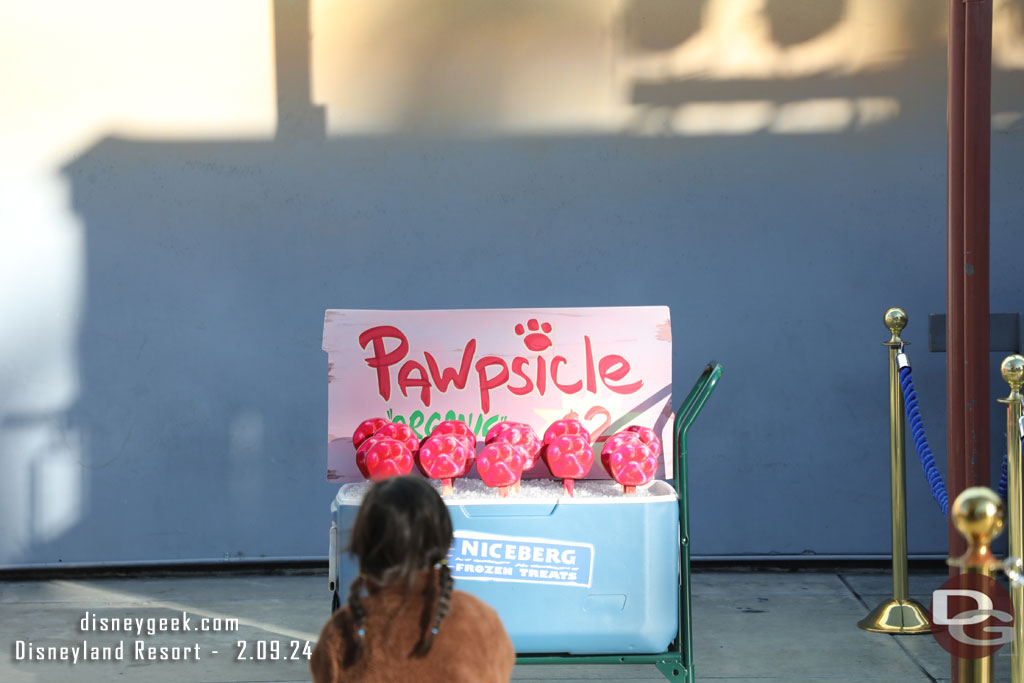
[(186, 188), (73, 73), (466, 68)]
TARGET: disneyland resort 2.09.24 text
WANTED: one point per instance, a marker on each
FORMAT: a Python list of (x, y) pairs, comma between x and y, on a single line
[(139, 648)]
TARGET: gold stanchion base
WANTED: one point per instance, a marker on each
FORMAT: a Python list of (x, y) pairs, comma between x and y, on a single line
[(897, 617)]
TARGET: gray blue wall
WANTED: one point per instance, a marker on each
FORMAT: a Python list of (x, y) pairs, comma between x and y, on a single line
[(198, 428)]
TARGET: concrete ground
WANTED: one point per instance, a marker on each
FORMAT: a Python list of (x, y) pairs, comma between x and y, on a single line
[(748, 626)]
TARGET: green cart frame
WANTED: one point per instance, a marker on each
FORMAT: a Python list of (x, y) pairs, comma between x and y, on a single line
[(677, 662)]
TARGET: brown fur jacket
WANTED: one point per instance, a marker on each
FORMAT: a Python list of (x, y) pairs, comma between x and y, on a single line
[(471, 645)]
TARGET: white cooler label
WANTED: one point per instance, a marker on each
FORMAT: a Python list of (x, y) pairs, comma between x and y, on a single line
[(477, 556)]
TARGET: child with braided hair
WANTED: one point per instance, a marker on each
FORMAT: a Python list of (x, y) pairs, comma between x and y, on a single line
[(402, 620)]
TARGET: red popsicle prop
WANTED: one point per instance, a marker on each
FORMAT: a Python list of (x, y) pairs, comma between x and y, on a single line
[(648, 436), (387, 457), (456, 427), (632, 464), (559, 428), (613, 442), (444, 457), (563, 428), (522, 435), (400, 432), (569, 458), (497, 429), (366, 429), (500, 465), (461, 430), (361, 454)]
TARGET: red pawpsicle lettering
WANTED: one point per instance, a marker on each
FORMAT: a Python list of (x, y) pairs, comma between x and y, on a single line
[(478, 374), (521, 376)]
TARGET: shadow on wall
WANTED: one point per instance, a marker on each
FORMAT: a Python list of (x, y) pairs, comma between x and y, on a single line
[(639, 66), (661, 25), (734, 67), (209, 265)]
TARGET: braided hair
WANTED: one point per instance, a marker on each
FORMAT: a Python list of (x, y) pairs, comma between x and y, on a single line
[(428, 626), (402, 529), (353, 624)]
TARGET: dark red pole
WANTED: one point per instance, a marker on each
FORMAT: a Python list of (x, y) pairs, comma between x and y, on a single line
[(977, 154), (954, 277), (967, 252), (955, 268)]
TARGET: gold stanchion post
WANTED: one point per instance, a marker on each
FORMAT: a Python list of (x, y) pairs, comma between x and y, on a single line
[(899, 614), (1013, 372), (978, 514)]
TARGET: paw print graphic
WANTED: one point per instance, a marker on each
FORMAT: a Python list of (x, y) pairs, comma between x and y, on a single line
[(537, 339)]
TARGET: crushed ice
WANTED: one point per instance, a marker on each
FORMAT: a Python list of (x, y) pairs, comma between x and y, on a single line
[(532, 490)]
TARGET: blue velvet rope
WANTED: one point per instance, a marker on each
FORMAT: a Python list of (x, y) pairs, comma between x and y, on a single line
[(924, 451), (1002, 479)]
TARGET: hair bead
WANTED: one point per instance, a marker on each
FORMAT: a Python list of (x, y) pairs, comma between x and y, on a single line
[(357, 617)]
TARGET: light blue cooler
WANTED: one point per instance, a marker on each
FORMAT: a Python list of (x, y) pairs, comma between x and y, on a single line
[(580, 575)]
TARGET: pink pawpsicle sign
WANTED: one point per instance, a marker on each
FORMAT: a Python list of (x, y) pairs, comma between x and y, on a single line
[(609, 368)]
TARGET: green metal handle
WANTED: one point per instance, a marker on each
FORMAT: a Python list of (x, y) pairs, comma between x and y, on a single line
[(685, 416), (688, 412)]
